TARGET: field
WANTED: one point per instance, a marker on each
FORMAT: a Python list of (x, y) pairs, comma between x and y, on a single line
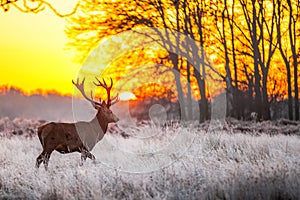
[(230, 160)]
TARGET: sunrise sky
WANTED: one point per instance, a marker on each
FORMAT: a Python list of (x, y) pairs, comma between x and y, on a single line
[(33, 50), (34, 54)]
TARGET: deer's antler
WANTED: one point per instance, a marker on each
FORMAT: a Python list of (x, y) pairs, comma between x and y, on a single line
[(80, 87), (110, 101)]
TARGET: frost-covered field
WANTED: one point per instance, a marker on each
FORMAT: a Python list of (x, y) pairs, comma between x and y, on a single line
[(219, 163)]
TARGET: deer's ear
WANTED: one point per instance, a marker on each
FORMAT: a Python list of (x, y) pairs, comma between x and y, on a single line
[(95, 106)]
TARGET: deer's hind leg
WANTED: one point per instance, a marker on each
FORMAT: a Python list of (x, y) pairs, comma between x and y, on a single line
[(43, 158), (46, 159), (40, 159)]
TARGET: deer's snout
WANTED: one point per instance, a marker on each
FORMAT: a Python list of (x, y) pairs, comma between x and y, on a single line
[(116, 119)]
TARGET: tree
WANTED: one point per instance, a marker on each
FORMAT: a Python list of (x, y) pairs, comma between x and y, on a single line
[(290, 50), (260, 23), (223, 14), (34, 6), (243, 37), (293, 21), (118, 17), (284, 57)]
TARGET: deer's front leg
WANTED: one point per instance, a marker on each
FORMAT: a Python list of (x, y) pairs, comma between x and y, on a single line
[(86, 154), (83, 156), (92, 157)]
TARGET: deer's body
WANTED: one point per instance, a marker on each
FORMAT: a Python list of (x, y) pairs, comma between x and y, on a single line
[(60, 137), (76, 137)]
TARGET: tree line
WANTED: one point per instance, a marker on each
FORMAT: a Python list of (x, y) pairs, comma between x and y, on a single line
[(254, 43)]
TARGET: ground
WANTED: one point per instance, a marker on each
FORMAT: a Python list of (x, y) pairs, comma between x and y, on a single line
[(214, 160)]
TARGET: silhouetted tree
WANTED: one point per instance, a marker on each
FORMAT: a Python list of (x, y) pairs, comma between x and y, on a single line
[(120, 17), (293, 31), (284, 56), (261, 26), (244, 36), (31, 6)]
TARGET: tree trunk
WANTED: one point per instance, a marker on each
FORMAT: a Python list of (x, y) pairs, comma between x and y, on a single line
[(189, 93), (296, 92), (228, 79), (203, 107), (293, 43), (290, 98), (236, 95), (286, 62), (265, 101), (174, 59), (201, 83), (257, 77)]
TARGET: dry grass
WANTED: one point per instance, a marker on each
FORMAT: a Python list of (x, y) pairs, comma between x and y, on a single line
[(217, 165)]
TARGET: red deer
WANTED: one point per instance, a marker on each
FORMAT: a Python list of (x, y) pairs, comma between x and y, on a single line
[(80, 136)]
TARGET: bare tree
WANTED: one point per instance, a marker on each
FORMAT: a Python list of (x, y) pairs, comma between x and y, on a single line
[(221, 13), (261, 28), (194, 13), (35, 6), (293, 20), (147, 13), (288, 32), (243, 35), (284, 56)]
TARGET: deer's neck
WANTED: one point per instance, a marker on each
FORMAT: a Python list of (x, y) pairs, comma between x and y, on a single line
[(101, 121)]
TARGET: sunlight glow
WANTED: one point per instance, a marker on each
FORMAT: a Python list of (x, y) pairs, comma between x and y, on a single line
[(33, 54), (125, 96)]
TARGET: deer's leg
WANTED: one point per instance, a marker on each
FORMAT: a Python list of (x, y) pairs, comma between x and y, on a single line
[(83, 156), (90, 156), (46, 160), (40, 159), (86, 154)]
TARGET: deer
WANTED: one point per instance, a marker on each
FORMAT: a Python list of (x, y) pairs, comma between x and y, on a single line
[(80, 136)]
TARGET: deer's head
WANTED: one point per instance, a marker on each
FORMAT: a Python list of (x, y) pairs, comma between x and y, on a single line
[(104, 113), (102, 107)]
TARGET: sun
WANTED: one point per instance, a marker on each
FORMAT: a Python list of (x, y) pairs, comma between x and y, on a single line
[(126, 96)]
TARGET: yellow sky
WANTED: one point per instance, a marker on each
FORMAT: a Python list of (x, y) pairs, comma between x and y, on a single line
[(33, 51)]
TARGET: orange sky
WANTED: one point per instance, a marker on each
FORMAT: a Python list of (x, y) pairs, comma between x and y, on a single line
[(33, 50)]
